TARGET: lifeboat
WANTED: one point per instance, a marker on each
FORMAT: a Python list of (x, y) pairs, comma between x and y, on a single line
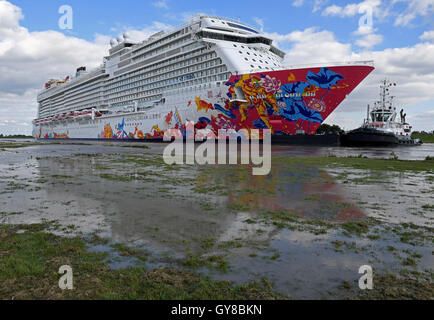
[(86, 114)]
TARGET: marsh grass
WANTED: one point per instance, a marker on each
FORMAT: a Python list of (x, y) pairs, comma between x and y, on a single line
[(29, 262), (360, 163)]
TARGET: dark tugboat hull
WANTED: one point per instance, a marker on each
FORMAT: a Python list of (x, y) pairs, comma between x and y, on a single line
[(369, 137)]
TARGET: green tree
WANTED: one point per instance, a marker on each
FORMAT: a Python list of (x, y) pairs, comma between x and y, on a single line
[(326, 129)]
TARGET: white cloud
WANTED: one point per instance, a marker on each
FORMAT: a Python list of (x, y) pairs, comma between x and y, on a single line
[(347, 11), (412, 68), (318, 4), (29, 59), (260, 23), (352, 9), (427, 35), (161, 4), (310, 44), (298, 3), (414, 9), (367, 10), (369, 40), (138, 35), (333, 10)]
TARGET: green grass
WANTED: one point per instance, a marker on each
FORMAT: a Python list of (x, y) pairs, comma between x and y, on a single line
[(390, 287), (355, 227), (426, 138), (29, 264), (118, 178), (360, 163), (16, 145), (214, 262)]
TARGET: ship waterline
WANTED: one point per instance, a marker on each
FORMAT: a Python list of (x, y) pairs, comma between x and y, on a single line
[(144, 89)]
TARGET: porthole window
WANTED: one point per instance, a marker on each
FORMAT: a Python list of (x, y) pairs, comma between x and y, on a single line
[(252, 66), (246, 59)]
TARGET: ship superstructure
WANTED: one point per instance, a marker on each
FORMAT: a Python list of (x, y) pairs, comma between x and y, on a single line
[(217, 72), (383, 125)]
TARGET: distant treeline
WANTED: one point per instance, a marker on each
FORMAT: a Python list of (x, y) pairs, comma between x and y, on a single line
[(426, 137), (328, 129), (16, 136)]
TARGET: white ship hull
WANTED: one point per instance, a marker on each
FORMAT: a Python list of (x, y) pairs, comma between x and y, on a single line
[(145, 125)]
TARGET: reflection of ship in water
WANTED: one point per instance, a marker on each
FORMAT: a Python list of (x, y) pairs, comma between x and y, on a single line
[(382, 127), (137, 211), (300, 190)]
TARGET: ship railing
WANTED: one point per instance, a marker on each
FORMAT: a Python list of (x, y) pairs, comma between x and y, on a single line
[(306, 65), (194, 19), (92, 73), (331, 64), (225, 19)]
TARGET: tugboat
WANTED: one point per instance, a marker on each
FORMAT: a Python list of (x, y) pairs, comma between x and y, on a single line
[(381, 126)]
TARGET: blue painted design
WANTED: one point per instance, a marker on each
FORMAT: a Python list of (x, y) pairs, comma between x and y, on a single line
[(324, 79), (295, 107), (121, 126), (204, 120), (259, 124), (226, 112)]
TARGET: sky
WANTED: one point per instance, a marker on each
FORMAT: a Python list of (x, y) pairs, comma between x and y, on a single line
[(398, 35)]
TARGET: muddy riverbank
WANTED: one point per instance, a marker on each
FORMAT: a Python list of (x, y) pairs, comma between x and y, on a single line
[(304, 230)]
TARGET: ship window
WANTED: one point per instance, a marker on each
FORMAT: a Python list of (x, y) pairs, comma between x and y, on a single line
[(252, 65), (246, 59), (241, 27)]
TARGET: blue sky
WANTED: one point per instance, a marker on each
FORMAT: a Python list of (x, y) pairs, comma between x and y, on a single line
[(400, 40), (281, 16)]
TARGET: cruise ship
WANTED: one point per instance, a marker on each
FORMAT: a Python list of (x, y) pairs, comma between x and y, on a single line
[(217, 72)]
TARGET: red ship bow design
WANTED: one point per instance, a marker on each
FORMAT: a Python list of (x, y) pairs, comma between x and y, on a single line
[(288, 100)]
